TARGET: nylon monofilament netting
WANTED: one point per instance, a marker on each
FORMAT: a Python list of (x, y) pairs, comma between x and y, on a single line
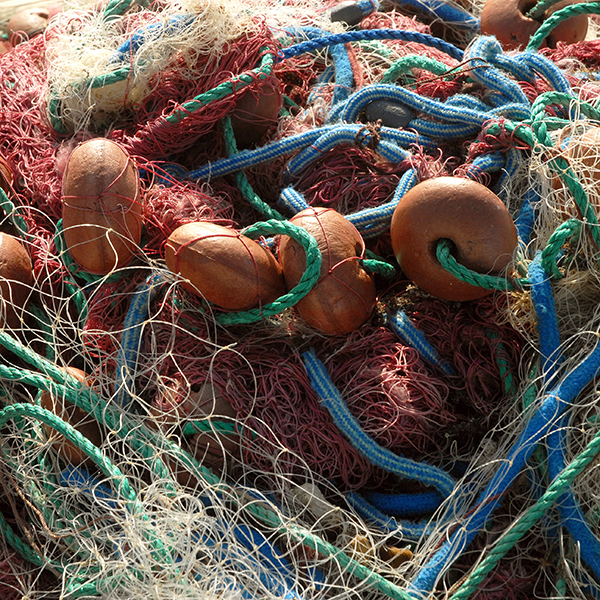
[(442, 449)]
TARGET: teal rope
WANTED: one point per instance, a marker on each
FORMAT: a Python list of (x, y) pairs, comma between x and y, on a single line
[(72, 266), (306, 283), (589, 8), (241, 179), (488, 282)]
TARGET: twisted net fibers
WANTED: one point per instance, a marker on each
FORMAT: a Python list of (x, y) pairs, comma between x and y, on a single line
[(214, 463)]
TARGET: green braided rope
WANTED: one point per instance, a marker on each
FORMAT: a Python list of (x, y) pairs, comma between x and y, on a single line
[(349, 565), (538, 108), (406, 63), (588, 8), (79, 394), (324, 548), (376, 46), (375, 265), (537, 12), (224, 89), (40, 317), (563, 233), (209, 426), (43, 415), (535, 134), (139, 439), (116, 8), (241, 179), (519, 527), (488, 282), (118, 478), (306, 283)]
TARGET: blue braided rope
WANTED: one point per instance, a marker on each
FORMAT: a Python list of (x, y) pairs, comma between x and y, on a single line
[(513, 161), (518, 69), (292, 200), (368, 7), (546, 68), (405, 329), (409, 529), (372, 34), (405, 504), (525, 220), (266, 153), (443, 131), (322, 81), (568, 506), (371, 222), (256, 542), (346, 134), (152, 32), (344, 77), (382, 457), (440, 110), (545, 417), (85, 482), (486, 163), (481, 56), (132, 336)]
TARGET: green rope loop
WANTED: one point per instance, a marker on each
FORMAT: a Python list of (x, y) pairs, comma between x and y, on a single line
[(306, 283), (241, 179), (588, 8), (374, 265), (488, 282)]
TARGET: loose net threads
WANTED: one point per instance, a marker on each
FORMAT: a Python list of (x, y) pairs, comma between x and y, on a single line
[(221, 470)]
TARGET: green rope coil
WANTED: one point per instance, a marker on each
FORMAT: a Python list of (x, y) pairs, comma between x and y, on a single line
[(488, 282), (519, 527), (306, 283), (588, 8)]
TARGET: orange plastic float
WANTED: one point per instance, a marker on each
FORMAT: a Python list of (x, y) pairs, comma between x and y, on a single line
[(465, 212), (344, 296), (227, 268), (102, 207), (506, 20)]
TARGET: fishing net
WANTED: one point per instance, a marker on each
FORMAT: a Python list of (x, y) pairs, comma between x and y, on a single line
[(154, 445)]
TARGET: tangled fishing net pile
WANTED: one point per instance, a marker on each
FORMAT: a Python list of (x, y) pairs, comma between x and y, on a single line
[(154, 444)]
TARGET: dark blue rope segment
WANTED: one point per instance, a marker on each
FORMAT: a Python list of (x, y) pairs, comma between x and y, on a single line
[(372, 34)]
